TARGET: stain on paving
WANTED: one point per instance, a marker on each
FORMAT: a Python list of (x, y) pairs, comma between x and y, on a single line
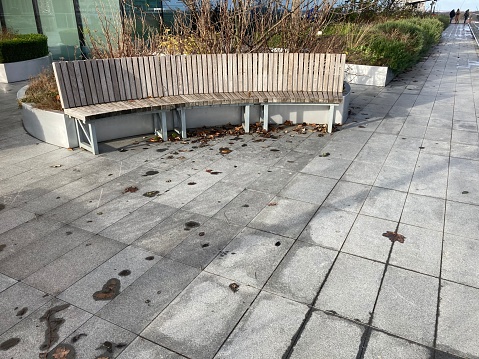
[(53, 325), (109, 291), (9, 343)]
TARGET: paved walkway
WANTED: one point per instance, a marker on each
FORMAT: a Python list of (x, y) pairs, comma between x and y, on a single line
[(299, 232)]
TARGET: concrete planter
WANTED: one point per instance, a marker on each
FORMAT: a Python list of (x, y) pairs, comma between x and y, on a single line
[(48, 126), (368, 75), (23, 70)]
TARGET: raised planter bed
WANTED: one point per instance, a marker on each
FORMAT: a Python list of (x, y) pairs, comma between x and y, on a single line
[(23, 70), (368, 75)]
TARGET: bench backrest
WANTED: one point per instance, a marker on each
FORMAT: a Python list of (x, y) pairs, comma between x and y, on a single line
[(89, 82)]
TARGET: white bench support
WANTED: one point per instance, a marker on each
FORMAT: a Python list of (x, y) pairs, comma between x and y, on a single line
[(331, 115), (160, 125), (246, 118), (179, 115), (265, 116), (87, 136)]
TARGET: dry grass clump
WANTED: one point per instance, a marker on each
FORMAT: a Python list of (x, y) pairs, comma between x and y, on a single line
[(43, 92)]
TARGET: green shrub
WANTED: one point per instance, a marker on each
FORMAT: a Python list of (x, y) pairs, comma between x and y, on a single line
[(431, 31), (444, 19), (22, 47)]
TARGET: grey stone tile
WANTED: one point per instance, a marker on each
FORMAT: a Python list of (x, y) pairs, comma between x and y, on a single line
[(362, 172), (461, 219), (435, 147), (271, 319), (61, 273), (411, 130), (430, 176), (244, 174), (251, 257), (462, 186), (272, 181), (131, 258), (204, 243), (15, 298), (134, 225), (438, 134), (6, 282), (284, 216), (351, 288), (402, 158), (213, 199), (171, 232), (36, 255), (23, 235), (465, 137), (381, 345), (11, 218), (404, 310), (308, 188), (421, 250), (384, 203), (328, 336), (397, 178), (366, 238), (464, 151), (99, 331), (197, 322), (145, 298), (459, 260), (242, 209), (330, 167), (328, 228), (422, 211), (301, 273), (457, 328), (295, 161), (347, 150), (31, 330), (104, 216), (464, 126), (407, 143), (348, 196), (144, 349)]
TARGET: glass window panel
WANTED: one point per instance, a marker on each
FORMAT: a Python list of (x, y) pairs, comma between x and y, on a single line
[(19, 16)]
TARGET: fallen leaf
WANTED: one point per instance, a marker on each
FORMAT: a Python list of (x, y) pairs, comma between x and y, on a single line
[(325, 154), (234, 287), (191, 183), (109, 291), (10, 343), (225, 150), (131, 189), (151, 193), (394, 237), (272, 204)]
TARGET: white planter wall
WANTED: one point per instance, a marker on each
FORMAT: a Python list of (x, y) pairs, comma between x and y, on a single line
[(368, 75), (23, 70)]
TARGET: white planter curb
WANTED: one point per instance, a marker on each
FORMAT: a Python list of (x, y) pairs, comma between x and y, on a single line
[(23, 70)]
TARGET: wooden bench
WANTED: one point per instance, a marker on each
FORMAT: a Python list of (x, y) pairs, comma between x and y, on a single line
[(94, 89)]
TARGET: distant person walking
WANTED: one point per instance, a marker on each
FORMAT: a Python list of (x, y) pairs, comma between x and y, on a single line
[(451, 15), (456, 17), (466, 16)]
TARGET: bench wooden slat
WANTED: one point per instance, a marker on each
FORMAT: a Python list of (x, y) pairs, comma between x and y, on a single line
[(126, 74), (295, 70), (119, 76), (204, 66), (162, 76), (73, 84), (214, 67), (108, 79), (260, 72), (194, 73), (57, 70), (86, 82), (146, 78), (143, 81), (178, 74), (91, 82), (81, 91), (170, 69), (254, 72), (300, 71), (153, 78), (184, 73), (199, 66), (114, 80), (239, 82), (137, 78), (209, 66)]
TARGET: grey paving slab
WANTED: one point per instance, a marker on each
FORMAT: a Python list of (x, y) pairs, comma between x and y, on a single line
[(272, 181), (213, 199), (461, 219), (396, 178), (346, 150), (421, 250), (134, 225), (171, 232), (15, 298), (348, 196), (328, 336), (351, 288), (131, 258), (464, 151), (362, 172), (136, 307), (308, 188), (31, 330), (402, 158), (457, 328), (61, 273), (465, 137), (12, 218), (251, 257), (197, 322), (302, 272), (99, 331), (430, 176), (204, 243), (366, 238), (438, 135), (384, 203), (144, 349), (328, 228), (459, 260), (295, 161), (284, 216), (330, 167), (403, 310), (461, 186), (29, 232), (271, 319), (422, 211), (381, 345), (245, 207), (38, 254), (5, 282)]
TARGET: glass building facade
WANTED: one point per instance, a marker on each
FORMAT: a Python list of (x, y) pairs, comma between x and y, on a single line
[(65, 21)]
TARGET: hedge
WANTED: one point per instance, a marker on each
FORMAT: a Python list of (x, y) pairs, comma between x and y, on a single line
[(23, 47)]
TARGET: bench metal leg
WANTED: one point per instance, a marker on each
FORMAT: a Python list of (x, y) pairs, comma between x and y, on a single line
[(246, 118), (331, 115), (160, 125), (87, 136), (265, 117), (182, 118)]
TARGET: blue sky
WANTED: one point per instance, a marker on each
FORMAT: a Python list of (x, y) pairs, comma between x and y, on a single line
[(448, 5)]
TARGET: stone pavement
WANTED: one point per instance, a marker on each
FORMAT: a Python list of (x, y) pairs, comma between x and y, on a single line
[(300, 232)]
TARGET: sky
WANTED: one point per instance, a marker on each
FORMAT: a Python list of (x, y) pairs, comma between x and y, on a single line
[(448, 5)]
